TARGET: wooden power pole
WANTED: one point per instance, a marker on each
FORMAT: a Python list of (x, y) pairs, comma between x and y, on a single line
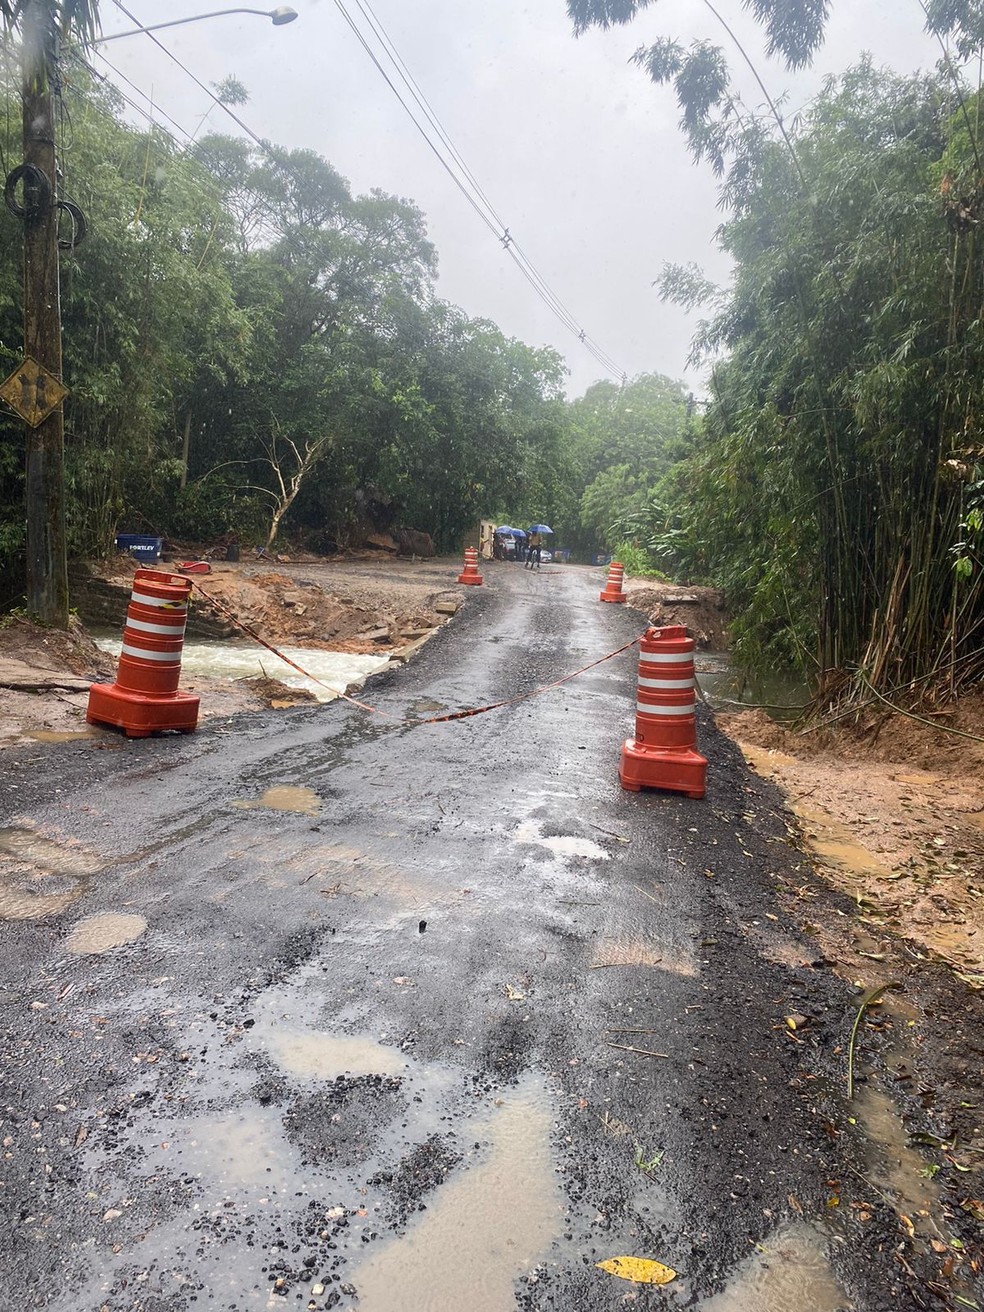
[(47, 564)]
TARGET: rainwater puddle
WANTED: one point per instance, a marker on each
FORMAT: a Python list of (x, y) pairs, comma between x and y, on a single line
[(782, 695), (97, 934), (485, 1228), (39, 877), (245, 1148), (895, 1165), (313, 1055), (66, 735), (560, 844), (833, 841), (790, 1271), (764, 760), (284, 797), (629, 952)]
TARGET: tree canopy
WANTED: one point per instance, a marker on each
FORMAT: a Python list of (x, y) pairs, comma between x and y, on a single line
[(253, 348)]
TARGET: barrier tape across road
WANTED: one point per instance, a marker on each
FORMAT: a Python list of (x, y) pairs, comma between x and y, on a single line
[(433, 719)]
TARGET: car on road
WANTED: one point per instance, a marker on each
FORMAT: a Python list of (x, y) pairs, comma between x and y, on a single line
[(545, 556)]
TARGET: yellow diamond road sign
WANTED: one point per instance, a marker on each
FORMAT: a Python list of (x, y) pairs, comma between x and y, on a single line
[(33, 392)]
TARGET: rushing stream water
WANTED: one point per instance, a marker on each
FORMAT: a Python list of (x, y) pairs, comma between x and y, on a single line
[(230, 660)]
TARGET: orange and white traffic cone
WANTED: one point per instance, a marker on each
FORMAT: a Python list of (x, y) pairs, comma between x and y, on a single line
[(145, 698), (613, 588), (663, 753), (469, 573)]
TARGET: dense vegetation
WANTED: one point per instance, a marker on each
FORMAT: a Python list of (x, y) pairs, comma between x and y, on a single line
[(254, 350), (251, 348), (837, 485)]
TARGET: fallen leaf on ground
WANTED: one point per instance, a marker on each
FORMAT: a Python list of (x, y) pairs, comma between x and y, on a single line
[(643, 1270), (514, 995)]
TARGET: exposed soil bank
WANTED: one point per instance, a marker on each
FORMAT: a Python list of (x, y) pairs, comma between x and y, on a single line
[(367, 605), (893, 814)]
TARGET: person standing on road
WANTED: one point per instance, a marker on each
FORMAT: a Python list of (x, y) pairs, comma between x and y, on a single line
[(533, 545)]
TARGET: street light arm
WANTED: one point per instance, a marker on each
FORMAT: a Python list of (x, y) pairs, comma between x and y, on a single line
[(283, 14)]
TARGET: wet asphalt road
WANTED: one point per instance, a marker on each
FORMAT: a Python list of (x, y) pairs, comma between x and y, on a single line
[(372, 1053)]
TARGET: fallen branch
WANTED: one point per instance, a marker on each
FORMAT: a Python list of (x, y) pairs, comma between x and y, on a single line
[(869, 998), (604, 965), (642, 1052), (610, 832), (46, 685)]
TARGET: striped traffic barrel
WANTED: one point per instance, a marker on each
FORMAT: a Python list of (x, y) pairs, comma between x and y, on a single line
[(469, 573), (153, 634), (665, 700), (613, 585)]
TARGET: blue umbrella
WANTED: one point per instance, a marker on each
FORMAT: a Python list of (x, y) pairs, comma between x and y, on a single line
[(504, 528), (540, 528)]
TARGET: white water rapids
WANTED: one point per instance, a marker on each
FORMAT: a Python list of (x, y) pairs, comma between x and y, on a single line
[(226, 660)]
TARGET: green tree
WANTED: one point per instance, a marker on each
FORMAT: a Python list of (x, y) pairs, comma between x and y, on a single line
[(842, 451), (625, 439)]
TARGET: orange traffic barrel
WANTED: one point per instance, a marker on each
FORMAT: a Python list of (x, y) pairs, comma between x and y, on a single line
[(145, 698), (153, 634), (663, 752), (613, 587), (469, 573)]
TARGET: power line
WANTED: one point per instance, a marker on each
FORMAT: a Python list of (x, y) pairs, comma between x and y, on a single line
[(263, 145), (462, 176), (458, 170)]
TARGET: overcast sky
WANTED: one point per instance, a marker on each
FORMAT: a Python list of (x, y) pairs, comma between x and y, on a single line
[(579, 153)]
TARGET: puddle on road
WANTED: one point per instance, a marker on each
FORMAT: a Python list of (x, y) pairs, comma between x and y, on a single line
[(484, 1229), (895, 1165), (790, 1271), (97, 934), (633, 952), (243, 1149), (560, 844), (833, 841), (65, 735), (39, 877), (310, 1054), (284, 797)]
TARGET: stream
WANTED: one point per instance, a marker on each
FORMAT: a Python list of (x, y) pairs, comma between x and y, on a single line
[(781, 693), (231, 660)]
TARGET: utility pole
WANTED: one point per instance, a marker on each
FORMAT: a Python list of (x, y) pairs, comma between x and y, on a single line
[(47, 563)]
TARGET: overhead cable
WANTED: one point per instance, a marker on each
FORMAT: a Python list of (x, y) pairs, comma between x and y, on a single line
[(508, 242), (453, 163), (444, 150)]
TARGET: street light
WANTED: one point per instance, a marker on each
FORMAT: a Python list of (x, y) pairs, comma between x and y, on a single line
[(279, 16)]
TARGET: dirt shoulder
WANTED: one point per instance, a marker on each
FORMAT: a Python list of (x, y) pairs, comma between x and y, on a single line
[(699, 609), (892, 813)]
